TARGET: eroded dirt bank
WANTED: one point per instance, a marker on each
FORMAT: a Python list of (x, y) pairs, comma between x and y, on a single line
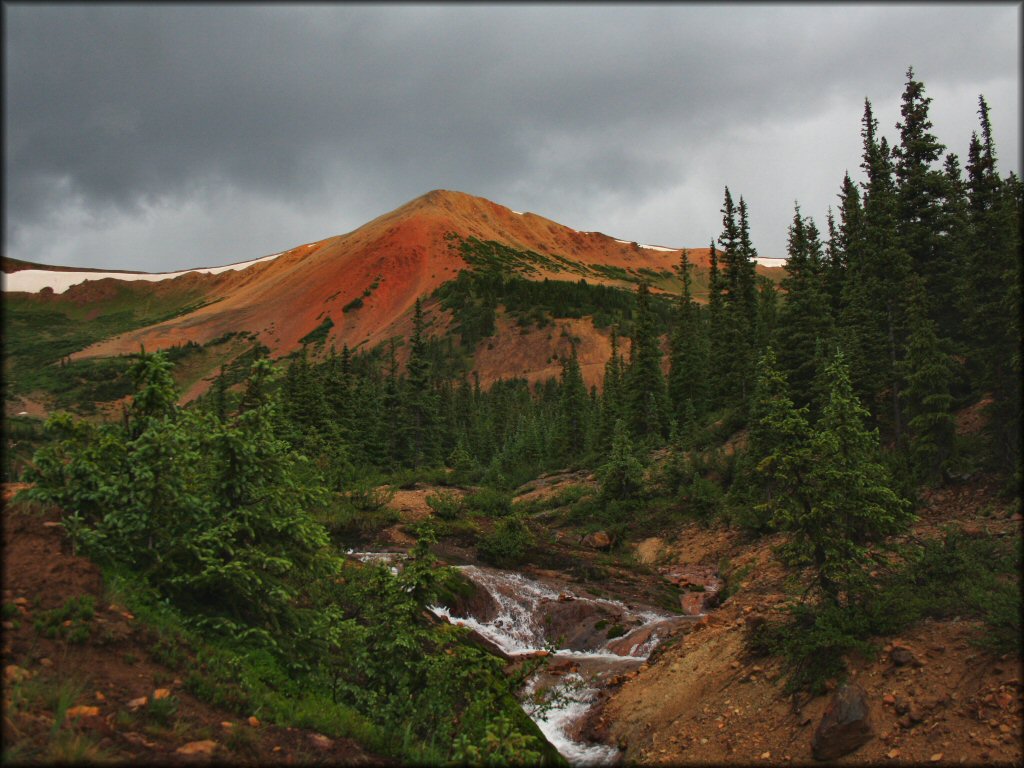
[(702, 700)]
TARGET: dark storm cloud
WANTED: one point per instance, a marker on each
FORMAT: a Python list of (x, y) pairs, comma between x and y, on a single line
[(162, 137)]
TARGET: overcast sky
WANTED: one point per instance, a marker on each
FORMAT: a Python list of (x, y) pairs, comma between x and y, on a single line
[(163, 137)]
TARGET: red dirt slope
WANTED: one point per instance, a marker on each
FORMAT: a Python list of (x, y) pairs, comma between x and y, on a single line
[(387, 263)]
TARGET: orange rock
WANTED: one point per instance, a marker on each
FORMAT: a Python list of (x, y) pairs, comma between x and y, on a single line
[(15, 674), (100, 696), (83, 711), (161, 693), (936, 757), (254, 721), (227, 724), (204, 747), (138, 703), (892, 754)]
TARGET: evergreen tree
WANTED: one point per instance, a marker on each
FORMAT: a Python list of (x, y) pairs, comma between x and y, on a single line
[(772, 472), (736, 332), (852, 501), (921, 189), (874, 317), (622, 476), (612, 395), (928, 371), (992, 288), (718, 350), (573, 411), (688, 353), (645, 397), (805, 322), (420, 409)]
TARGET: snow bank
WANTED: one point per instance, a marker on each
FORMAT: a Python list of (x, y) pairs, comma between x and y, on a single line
[(648, 247), (34, 280)]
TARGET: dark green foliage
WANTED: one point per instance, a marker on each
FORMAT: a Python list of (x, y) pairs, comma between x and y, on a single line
[(688, 355), (574, 412), (646, 401), (70, 621), (508, 544), (806, 330), (873, 318), (447, 505), (622, 476), (828, 488), (231, 543), (319, 334), (702, 497), (490, 502), (942, 578), (733, 308), (474, 298), (926, 394)]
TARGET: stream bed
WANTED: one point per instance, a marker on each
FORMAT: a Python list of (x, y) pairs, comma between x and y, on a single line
[(588, 641)]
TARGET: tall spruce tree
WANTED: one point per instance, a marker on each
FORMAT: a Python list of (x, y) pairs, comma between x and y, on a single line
[(926, 393), (646, 400), (574, 411), (874, 316), (834, 494), (420, 410), (992, 287), (737, 332), (805, 323), (718, 351), (920, 193), (772, 472), (688, 353)]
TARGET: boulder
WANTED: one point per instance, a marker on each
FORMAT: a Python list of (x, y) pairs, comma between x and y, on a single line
[(902, 656), (320, 741), (697, 603), (845, 726), (597, 540), (705, 576), (204, 747)]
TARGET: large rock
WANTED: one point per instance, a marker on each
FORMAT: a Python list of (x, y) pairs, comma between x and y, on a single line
[(697, 603), (845, 726), (702, 583)]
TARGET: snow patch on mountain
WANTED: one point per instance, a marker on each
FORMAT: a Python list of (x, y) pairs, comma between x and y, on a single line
[(35, 280)]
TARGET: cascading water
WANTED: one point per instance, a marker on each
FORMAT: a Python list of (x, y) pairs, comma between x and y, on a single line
[(530, 617)]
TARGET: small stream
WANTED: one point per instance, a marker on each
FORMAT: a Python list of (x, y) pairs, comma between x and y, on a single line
[(588, 642)]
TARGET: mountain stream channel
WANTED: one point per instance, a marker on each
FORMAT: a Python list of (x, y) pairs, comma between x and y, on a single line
[(588, 642)]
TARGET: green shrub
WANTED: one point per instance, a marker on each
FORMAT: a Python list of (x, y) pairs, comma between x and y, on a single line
[(446, 505), (490, 502), (616, 630), (507, 544), (702, 497)]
